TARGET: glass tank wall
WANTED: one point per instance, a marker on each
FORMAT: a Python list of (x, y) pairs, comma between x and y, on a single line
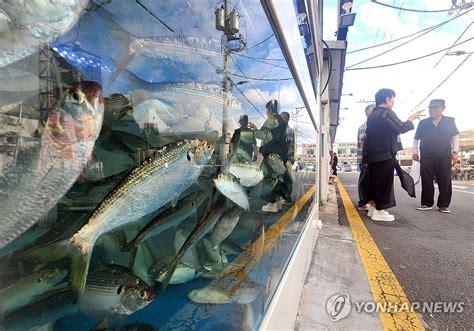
[(149, 175)]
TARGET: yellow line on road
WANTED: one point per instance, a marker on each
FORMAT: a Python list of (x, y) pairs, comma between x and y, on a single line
[(396, 311)]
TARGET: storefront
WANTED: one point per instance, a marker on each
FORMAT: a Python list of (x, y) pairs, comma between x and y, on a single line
[(125, 199)]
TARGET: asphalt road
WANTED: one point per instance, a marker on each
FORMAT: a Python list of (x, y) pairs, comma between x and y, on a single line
[(431, 253)]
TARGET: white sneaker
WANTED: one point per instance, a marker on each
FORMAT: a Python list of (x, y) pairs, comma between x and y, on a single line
[(382, 216), (371, 210), (270, 207)]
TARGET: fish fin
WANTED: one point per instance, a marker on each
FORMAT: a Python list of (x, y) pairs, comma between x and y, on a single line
[(175, 200), (122, 64), (80, 261)]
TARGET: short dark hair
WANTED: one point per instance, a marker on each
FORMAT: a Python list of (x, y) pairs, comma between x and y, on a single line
[(382, 95), (285, 114)]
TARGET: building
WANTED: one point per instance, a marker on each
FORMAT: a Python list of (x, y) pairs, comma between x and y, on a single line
[(309, 153), (346, 152)]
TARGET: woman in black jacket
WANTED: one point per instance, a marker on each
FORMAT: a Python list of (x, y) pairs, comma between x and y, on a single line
[(380, 148)]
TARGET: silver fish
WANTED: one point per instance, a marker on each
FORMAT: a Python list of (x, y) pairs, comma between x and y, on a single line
[(190, 258), (248, 173), (29, 288), (225, 226), (182, 274), (209, 295), (276, 163), (66, 147), (185, 208), (209, 219), (229, 186), (33, 23), (114, 289), (50, 308), (291, 172), (146, 189)]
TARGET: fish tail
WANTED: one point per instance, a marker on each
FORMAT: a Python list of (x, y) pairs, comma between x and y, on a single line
[(80, 260)]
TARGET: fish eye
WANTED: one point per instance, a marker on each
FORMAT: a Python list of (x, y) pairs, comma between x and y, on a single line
[(142, 294), (209, 147), (40, 279), (188, 156), (120, 289)]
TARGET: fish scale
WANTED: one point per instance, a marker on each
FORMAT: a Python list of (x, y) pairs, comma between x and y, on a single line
[(100, 221)]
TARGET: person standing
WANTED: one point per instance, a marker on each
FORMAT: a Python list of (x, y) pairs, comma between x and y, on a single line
[(243, 142), (380, 148), (335, 159), (438, 140), (290, 137), (363, 203)]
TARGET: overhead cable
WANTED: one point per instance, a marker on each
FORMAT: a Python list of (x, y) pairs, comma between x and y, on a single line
[(263, 79), (251, 84), (410, 35), (250, 102), (453, 44), (261, 42), (261, 61), (437, 87), (410, 60), (413, 10)]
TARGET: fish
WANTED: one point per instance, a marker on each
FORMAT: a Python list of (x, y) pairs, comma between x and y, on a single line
[(207, 222), (276, 163), (147, 188), (50, 308), (34, 23), (246, 293), (66, 146), (182, 274), (229, 186), (113, 289), (27, 289), (185, 208), (190, 258), (209, 295), (249, 174), (225, 226)]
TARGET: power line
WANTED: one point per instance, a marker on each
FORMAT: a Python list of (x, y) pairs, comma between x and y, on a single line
[(259, 43), (453, 44), (410, 60), (261, 61), (250, 102), (261, 58), (410, 35), (398, 46), (439, 85), (251, 84), (152, 14), (413, 10), (263, 79)]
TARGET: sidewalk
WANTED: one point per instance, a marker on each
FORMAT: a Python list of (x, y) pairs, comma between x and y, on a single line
[(336, 268)]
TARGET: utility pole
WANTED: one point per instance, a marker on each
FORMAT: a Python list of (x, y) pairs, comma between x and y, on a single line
[(296, 115), (229, 25)]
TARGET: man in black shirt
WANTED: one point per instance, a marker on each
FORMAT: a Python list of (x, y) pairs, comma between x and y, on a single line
[(380, 148), (438, 138)]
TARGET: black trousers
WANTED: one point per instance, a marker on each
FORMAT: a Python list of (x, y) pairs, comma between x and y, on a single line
[(441, 168), (363, 186), (381, 183)]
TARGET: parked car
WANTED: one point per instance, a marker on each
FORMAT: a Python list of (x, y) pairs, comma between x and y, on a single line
[(346, 168)]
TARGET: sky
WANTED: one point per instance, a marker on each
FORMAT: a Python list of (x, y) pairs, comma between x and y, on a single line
[(412, 82)]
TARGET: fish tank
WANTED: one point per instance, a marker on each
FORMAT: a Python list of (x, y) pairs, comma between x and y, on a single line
[(147, 165)]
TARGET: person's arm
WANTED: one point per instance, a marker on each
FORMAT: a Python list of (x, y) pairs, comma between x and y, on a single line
[(415, 152), (397, 125), (455, 148)]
